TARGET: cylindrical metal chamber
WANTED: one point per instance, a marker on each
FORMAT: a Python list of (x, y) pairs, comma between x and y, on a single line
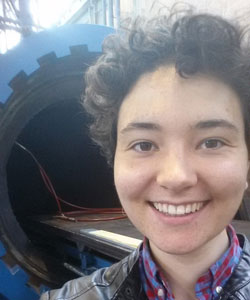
[(43, 112)]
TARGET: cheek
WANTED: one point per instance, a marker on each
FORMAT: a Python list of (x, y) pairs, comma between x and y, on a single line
[(227, 178), (130, 181)]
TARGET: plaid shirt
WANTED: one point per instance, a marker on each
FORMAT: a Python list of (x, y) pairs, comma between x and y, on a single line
[(207, 286)]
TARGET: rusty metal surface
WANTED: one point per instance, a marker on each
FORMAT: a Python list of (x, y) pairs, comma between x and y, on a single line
[(79, 233), (123, 227)]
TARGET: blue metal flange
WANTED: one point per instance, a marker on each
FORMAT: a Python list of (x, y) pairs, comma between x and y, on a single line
[(13, 281), (24, 56), (24, 60)]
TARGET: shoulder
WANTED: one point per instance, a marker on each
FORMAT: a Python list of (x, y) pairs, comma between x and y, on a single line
[(239, 283), (102, 284)]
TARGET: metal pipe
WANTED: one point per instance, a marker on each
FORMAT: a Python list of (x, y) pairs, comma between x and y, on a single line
[(117, 12), (137, 6), (74, 269), (25, 17), (111, 15), (5, 19), (93, 11), (90, 11), (15, 22), (104, 17), (12, 7), (24, 13), (4, 8), (10, 27)]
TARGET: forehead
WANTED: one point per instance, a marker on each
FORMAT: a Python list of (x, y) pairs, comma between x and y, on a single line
[(164, 96)]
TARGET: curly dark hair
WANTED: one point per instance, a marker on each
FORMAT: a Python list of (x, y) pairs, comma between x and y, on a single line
[(194, 43)]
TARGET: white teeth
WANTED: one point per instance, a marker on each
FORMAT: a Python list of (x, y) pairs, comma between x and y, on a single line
[(165, 208), (156, 205), (180, 210), (188, 208), (194, 207), (171, 209), (174, 210)]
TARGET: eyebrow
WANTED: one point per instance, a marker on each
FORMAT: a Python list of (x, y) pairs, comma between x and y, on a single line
[(207, 124), (141, 125)]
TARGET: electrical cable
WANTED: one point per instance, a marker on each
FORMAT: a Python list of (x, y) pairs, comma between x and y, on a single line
[(44, 176), (69, 216)]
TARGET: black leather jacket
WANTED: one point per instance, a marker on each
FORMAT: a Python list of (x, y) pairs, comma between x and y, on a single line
[(121, 281)]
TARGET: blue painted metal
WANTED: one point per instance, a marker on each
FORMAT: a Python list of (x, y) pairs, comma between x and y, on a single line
[(24, 56), (88, 262), (13, 282), (91, 262)]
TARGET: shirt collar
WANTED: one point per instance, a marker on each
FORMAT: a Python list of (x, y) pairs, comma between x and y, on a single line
[(207, 285)]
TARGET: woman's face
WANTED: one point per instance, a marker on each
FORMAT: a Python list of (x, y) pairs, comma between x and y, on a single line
[(181, 160)]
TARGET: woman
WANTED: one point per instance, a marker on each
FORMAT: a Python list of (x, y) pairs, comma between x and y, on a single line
[(170, 103)]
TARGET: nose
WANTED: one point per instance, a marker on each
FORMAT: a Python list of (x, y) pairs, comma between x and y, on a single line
[(177, 171)]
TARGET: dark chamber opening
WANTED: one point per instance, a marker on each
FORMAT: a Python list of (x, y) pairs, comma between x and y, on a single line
[(58, 137)]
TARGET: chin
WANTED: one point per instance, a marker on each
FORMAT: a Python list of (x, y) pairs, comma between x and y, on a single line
[(177, 249), (179, 244)]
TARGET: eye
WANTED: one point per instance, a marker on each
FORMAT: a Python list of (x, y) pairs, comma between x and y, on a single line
[(212, 144), (144, 147)]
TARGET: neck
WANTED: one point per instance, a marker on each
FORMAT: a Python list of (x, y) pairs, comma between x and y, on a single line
[(183, 270)]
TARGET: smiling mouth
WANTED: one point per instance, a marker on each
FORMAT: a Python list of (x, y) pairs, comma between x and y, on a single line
[(178, 210)]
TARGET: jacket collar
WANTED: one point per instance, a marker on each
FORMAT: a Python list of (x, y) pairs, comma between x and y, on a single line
[(241, 275), (132, 288)]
